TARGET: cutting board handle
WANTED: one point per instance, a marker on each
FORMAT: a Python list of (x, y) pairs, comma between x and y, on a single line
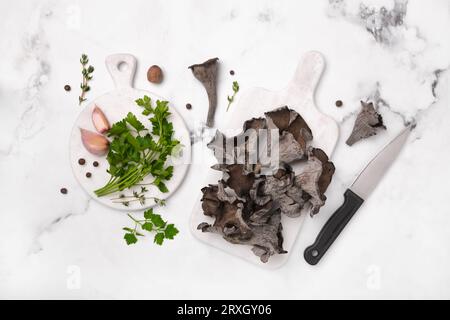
[(122, 68), (308, 73)]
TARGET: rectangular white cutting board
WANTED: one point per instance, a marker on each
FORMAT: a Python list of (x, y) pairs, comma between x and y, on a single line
[(299, 96)]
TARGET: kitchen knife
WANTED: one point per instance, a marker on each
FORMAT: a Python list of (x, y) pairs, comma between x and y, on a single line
[(354, 197)]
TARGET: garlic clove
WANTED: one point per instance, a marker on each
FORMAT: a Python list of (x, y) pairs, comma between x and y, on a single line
[(94, 143), (99, 120)]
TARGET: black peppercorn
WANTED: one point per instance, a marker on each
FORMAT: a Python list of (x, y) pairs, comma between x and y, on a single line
[(81, 161), (95, 163), (63, 190), (339, 103), (88, 174), (232, 72), (67, 87), (188, 106)]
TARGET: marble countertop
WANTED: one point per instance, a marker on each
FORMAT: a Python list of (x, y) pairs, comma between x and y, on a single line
[(396, 53)]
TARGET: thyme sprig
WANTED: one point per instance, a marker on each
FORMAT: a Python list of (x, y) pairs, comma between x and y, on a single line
[(86, 71), (137, 196)]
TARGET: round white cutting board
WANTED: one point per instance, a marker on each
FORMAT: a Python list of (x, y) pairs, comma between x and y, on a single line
[(299, 96), (115, 105)]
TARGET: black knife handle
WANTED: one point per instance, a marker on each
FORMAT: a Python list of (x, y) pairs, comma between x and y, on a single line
[(333, 227)]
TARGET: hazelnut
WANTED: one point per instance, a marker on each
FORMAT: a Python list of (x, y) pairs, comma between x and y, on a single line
[(155, 74)]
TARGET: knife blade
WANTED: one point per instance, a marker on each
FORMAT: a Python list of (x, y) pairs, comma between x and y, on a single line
[(355, 195)]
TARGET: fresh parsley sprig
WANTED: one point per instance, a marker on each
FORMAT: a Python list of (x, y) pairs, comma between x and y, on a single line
[(136, 152), (86, 71), (235, 88), (152, 223)]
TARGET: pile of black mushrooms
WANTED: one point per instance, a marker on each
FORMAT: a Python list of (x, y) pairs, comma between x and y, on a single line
[(248, 202)]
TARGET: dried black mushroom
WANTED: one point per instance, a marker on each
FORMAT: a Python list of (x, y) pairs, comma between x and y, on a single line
[(206, 73), (367, 123), (315, 179), (247, 205), (327, 169), (239, 219), (277, 185), (294, 135)]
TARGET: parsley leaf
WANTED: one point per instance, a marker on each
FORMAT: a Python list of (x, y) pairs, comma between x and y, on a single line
[(118, 128), (157, 221), (159, 238), (130, 238), (134, 122), (146, 103), (148, 214), (147, 226), (162, 187), (235, 88), (170, 232)]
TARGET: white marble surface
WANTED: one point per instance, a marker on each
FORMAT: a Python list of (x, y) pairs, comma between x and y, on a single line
[(398, 244)]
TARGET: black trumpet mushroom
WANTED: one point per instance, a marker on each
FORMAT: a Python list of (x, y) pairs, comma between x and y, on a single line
[(249, 202), (206, 73), (367, 123)]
